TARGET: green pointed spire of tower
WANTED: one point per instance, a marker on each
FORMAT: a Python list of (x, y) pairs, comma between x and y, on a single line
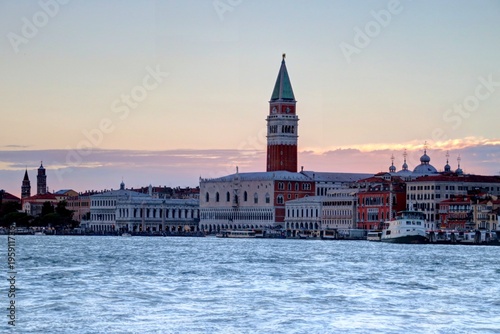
[(283, 88)]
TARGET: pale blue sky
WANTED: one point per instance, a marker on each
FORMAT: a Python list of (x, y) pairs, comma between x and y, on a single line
[(221, 69)]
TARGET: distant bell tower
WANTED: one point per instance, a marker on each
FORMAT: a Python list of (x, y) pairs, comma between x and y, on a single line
[(41, 181), (26, 186), (282, 125)]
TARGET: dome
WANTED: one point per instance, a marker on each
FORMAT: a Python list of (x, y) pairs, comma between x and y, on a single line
[(405, 173), (405, 166), (425, 158), (447, 168), (459, 171), (425, 169), (392, 169)]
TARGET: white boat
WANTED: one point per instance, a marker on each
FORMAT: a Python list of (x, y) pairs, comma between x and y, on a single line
[(39, 233), (374, 235), (407, 228), (126, 234), (329, 234), (236, 234), (308, 234)]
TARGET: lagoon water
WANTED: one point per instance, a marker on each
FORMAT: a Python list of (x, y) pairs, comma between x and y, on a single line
[(68, 284)]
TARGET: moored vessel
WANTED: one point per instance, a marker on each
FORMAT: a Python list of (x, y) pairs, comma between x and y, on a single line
[(407, 228), (374, 235), (236, 234)]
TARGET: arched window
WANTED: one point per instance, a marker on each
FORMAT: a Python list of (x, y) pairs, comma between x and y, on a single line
[(245, 196), (279, 199), (207, 197), (228, 196), (289, 185), (281, 186), (217, 198), (255, 198), (268, 198)]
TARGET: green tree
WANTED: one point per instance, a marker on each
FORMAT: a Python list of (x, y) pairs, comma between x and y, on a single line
[(8, 207), (47, 208), (62, 211)]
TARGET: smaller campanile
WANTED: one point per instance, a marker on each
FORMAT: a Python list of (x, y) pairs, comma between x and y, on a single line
[(41, 181), (282, 125), (26, 186)]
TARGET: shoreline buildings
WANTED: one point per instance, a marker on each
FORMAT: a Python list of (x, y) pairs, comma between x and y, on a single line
[(258, 199), (126, 210), (309, 201)]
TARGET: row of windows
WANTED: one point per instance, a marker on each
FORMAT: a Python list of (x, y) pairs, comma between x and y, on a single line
[(235, 197), (280, 199), (337, 213), (438, 187), (284, 129), (338, 203), (103, 202), (232, 215), (421, 196), (303, 226), (302, 213), (305, 186), (157, 213)]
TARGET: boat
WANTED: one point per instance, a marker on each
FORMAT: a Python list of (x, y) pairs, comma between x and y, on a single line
[(236, 234), (444, 236), (259, 233), (480, 237), (307, 234), (126, 234), (374, 235), (329, 235), (407, 228), (39, 233)]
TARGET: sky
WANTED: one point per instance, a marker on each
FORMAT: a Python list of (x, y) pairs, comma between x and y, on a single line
[(166, 92)]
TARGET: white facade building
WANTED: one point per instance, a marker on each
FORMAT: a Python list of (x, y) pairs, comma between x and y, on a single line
[(127, 210), (249, 200), (425, 193), (335, 211)]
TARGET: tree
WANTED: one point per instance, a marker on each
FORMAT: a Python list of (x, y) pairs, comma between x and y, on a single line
[(20, 218), (8, 207), (62, 211), (47, 208)]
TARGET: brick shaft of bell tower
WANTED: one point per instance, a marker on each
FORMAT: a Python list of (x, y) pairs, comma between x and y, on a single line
[(282, 125)]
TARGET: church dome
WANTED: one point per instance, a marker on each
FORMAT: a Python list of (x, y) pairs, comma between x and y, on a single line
[(392, 169), (405, 166), (425, 168), (425, 158), (447, 168)]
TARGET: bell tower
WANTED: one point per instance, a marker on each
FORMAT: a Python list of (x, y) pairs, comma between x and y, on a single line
[(282, 125), (26, 186), (41, 181)]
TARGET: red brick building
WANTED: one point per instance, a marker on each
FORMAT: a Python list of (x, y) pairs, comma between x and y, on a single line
[(374, 200)]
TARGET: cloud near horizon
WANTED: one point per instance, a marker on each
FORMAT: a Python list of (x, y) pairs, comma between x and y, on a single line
[(104, 169)]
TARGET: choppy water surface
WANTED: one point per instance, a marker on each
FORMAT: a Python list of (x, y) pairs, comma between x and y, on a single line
[(211, 285)]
